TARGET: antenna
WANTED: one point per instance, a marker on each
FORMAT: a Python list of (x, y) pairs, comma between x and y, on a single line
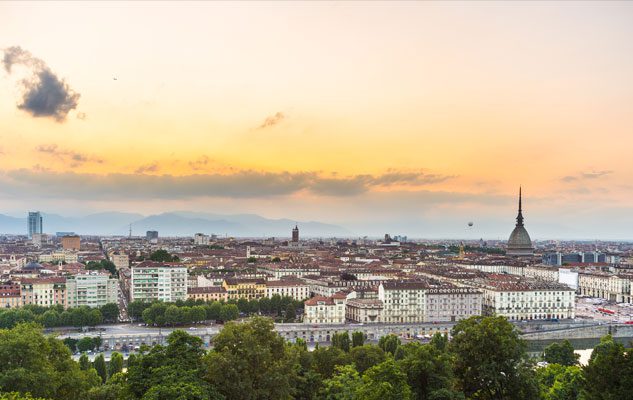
[(130, 231)]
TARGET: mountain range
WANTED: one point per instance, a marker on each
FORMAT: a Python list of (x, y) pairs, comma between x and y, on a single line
[(179, 223)]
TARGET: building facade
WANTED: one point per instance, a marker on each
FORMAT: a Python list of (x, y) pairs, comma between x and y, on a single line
[(158, 281), (91, 289)]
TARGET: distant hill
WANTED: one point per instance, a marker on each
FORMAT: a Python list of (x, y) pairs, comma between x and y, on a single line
[(181, 223)]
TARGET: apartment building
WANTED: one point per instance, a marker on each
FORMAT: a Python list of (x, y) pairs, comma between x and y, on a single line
[(207, 293), (520, 299), (296, 289), (607, 286), (158, 281), (44, 292), (91, 289), (247, 288), (10, 295), (325, 310)]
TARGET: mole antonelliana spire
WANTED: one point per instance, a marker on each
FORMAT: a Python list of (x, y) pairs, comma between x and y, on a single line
[(519, 243)]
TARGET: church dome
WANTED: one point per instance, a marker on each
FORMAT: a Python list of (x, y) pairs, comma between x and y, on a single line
[(33, 266)]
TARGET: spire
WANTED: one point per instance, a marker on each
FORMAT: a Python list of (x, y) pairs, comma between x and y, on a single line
[(520, 215)]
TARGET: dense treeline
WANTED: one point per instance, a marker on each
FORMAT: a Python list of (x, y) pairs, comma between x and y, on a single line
[(194, 311), (485, 360), (54, 316)]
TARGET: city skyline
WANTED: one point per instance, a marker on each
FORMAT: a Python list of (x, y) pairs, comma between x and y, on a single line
[(410, 118)]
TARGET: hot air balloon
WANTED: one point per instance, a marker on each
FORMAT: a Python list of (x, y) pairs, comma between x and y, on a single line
[(470, 224)]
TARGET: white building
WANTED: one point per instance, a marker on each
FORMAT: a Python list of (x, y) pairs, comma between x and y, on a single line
[(157, 281), (325, 310), (200, 239), (63, 256), (91, 289), (520, 299), (296, 289)]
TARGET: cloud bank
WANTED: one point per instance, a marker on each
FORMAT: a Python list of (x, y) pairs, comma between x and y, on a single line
[(44, 93), (241, 184)]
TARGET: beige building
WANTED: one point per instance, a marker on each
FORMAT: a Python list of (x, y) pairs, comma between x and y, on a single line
[(207, 293), (452, 304), (120, 260), (325, 310), (59, 256), (44, 292), (364, 310), (10, 296), (607, 286)]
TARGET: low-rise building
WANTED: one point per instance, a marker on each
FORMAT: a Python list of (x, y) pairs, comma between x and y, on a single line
[(10, 295), (364, 310), (298, 290), (44, 292), (238, 288), (325, 310), (207, 293)]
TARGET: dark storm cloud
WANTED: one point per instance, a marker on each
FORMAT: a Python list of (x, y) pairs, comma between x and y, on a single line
[(44, 93), (241, 184), (272, 120)]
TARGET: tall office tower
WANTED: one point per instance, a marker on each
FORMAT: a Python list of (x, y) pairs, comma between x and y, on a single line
[(34, 223)]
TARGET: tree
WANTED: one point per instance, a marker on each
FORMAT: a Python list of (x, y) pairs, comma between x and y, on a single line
[(50, 318), (490, 360), (251, 361), (367, 356), (213, 310), (560, 353), (609, 373), (135, 309), (116, 364), (429, 371), (86, 343), (343, 385), (251, 260), (560, 382), (100, 366), (229, 312), (358, 339), (158, 372), (163, 256), (84, 362), (389, 343), (174, 315), (384, 381), (341, 340), (290, 312), (71, 344), (110, 312), (326, 359), (39, 365)]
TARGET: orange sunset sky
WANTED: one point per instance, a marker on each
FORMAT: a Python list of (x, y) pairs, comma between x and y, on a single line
[(411, 118)]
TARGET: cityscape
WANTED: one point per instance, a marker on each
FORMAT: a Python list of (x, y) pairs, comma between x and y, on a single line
[(316, 200)]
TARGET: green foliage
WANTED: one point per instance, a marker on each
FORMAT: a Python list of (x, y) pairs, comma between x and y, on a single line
[(384, 381), (276, 259), (86, 343), (358, 339), (163, 256), (251, 260), (39, 365), (18, 396), (609, 373), (429, 371), (560, 382), (116, 364), (341, 340), (100, 366), (365, 357), (251, 361), (344, 385), (84, 363), (110, 312), (50, 317), (389, 343), (560, 353), (326, 359), (102, 265), (166, 370), (491, 360), (229, 312)]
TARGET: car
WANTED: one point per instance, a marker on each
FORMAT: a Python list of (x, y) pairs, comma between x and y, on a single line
[(193, 328)]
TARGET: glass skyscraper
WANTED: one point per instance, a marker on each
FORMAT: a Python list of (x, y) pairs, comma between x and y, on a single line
[(34, 223)]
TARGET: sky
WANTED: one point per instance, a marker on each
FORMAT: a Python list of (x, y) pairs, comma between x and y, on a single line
[(412, 118)]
